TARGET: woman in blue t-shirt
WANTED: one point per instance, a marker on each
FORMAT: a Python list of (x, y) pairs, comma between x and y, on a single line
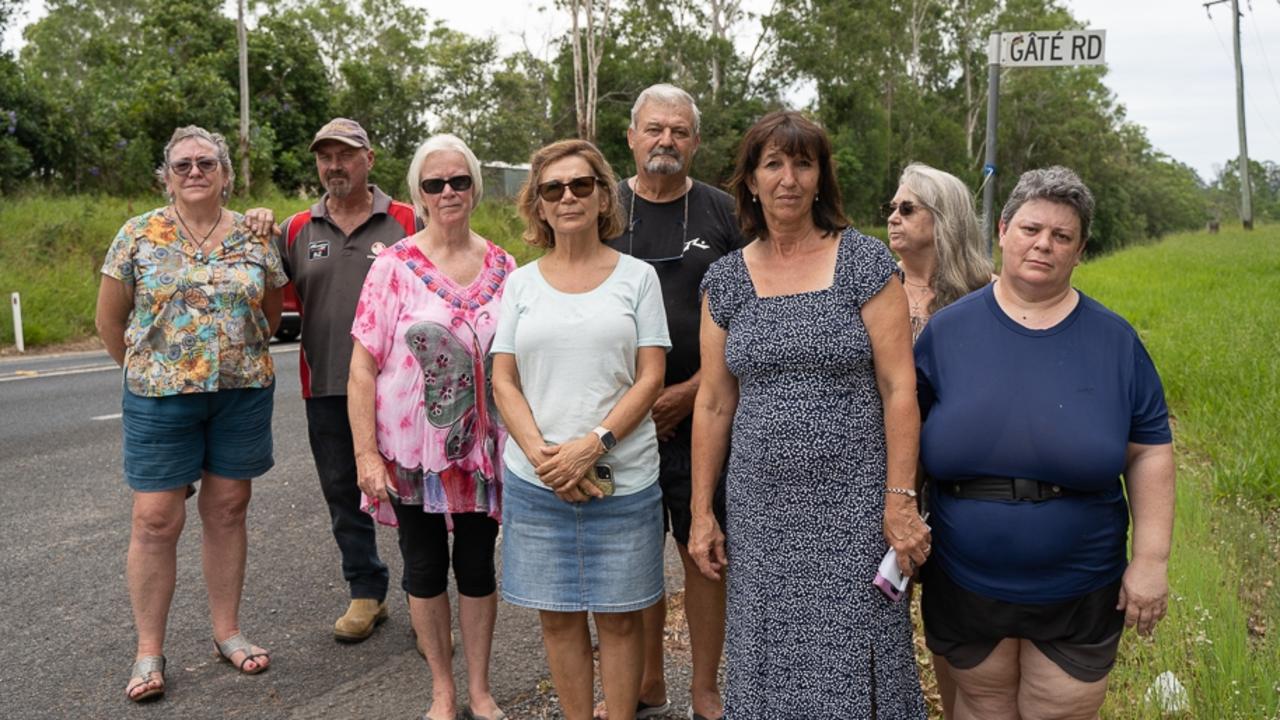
[(1036, 400)]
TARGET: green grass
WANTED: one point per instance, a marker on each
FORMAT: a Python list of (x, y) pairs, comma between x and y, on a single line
[(52, 248), (1208, 309)]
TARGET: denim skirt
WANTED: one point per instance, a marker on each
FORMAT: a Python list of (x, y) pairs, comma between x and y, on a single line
[(603, 555)]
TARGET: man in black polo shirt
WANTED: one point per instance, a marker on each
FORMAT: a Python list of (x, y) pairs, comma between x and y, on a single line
[(327, 251), (680, 226)]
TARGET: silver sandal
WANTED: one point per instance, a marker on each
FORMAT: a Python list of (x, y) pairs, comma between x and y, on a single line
[(143, 669), (236, 643)]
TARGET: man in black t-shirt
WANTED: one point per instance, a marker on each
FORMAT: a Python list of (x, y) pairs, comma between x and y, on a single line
[(679, 226)]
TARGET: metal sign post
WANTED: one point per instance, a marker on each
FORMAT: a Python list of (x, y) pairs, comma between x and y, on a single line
[(1053, 48), (16, 301)]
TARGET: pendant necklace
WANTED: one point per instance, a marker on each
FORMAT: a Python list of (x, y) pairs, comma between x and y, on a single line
[(192, 235)]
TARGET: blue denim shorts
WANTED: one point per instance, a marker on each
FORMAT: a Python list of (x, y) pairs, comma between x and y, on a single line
[(169, 440), (604, 555)]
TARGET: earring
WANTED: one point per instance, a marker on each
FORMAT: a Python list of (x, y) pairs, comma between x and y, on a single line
[(755, 199)]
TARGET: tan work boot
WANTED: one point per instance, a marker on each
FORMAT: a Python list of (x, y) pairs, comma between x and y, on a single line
[(362, 616)]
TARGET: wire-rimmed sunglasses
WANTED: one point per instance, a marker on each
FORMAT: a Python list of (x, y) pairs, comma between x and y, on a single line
[(183, 167), (435, 186), (904, 208), (581, 187)]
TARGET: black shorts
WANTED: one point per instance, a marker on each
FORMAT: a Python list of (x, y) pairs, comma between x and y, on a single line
[(675, 478), (1080, 636)]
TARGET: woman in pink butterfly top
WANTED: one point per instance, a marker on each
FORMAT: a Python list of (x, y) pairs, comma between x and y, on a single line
[(427, 438)]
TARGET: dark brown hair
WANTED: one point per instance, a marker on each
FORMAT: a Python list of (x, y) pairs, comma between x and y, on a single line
[(797, 136), (537, 232)]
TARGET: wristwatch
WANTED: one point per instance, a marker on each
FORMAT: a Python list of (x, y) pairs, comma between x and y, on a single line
[(607, 440)]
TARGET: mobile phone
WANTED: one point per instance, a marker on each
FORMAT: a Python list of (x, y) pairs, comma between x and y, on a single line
[(601, 475), (889, 579)]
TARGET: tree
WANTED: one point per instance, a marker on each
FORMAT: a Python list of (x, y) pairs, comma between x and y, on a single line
[(588, 50)]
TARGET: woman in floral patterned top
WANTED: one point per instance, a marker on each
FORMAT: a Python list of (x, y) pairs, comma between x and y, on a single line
[(427, 437), (188, 302)]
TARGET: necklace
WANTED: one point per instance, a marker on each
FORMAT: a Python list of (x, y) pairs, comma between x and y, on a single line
[(192, 235), (917, 299), (684, 229)]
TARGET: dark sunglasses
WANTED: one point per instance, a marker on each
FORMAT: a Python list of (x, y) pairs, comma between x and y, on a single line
[(183, 167), (435, 186), (904, 208), (580, 186)]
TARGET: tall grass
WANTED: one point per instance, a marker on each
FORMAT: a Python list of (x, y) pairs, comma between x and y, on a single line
[(51, 250), (1208, 309)]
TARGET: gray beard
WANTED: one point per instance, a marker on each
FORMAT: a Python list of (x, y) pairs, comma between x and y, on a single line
[(339, 188), (664, 165)]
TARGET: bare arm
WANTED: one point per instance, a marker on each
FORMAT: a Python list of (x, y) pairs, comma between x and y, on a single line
[(885, 316), (1144, 590), (273, 307), (371, 470), (717, 401), (568, 462), (115, 302)]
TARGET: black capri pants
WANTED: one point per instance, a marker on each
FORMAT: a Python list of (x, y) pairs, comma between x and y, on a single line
[(424, 545)]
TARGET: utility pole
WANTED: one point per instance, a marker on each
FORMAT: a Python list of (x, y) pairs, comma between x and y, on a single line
[(244, 96), (1246, 199), (1246, 189)]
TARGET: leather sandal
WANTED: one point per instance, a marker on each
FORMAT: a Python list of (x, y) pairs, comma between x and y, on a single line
[(143, 669), (236, 643)]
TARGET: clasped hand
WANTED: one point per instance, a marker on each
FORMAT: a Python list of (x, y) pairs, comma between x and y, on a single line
[(563, 468), (906, 533)]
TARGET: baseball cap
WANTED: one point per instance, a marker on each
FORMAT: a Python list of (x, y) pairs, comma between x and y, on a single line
[(344, 131)]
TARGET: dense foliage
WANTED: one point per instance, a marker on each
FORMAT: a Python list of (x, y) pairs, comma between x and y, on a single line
[(99, 85)]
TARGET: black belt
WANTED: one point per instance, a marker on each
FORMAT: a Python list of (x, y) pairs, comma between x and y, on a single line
[(1002, 488)]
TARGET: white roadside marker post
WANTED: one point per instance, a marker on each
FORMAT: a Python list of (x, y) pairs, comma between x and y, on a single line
[(16, 301)]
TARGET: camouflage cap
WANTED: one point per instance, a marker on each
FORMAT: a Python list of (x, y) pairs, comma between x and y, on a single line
[(344, 131)]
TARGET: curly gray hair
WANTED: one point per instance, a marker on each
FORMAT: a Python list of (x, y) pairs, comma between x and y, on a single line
[(1056, 184), (221, 149)]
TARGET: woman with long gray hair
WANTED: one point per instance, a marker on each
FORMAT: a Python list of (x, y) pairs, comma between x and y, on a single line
[(934, 231), (188, 302)]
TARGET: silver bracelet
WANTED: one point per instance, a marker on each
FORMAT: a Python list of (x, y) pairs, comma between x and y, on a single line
[(901, 491)]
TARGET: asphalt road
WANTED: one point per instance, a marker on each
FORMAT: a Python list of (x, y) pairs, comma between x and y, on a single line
[(66, 629)]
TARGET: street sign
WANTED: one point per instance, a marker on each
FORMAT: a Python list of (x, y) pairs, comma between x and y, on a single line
[(1053, 47)]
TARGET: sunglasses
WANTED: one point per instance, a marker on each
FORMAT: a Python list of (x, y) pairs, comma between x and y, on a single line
[(580, 186), (435, 186), (904, 208), (183, 167)]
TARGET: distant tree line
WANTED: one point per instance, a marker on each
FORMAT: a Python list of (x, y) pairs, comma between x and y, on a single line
[(99, 85)]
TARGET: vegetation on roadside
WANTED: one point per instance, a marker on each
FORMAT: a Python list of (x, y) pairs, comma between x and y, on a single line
[(53, 248), (1205, 305)]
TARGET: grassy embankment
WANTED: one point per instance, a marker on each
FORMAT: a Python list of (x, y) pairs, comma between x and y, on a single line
[(51, 250), (1206, 307)]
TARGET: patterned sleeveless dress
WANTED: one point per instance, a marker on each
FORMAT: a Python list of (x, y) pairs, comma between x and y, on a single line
[(808, 635)]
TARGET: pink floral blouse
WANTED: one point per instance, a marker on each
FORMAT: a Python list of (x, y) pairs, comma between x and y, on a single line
[(437, 426)]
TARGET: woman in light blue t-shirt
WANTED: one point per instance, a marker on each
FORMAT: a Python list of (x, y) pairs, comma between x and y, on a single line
[(578, 360)]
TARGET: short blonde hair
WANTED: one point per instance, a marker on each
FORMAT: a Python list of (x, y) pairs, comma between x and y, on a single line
[(537, 232), (442, 142)]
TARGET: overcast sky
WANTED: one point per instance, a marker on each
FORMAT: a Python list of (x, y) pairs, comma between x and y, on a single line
[(1169, 64)]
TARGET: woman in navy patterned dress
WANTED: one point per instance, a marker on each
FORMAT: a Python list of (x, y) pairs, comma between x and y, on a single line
[(806, 350)]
